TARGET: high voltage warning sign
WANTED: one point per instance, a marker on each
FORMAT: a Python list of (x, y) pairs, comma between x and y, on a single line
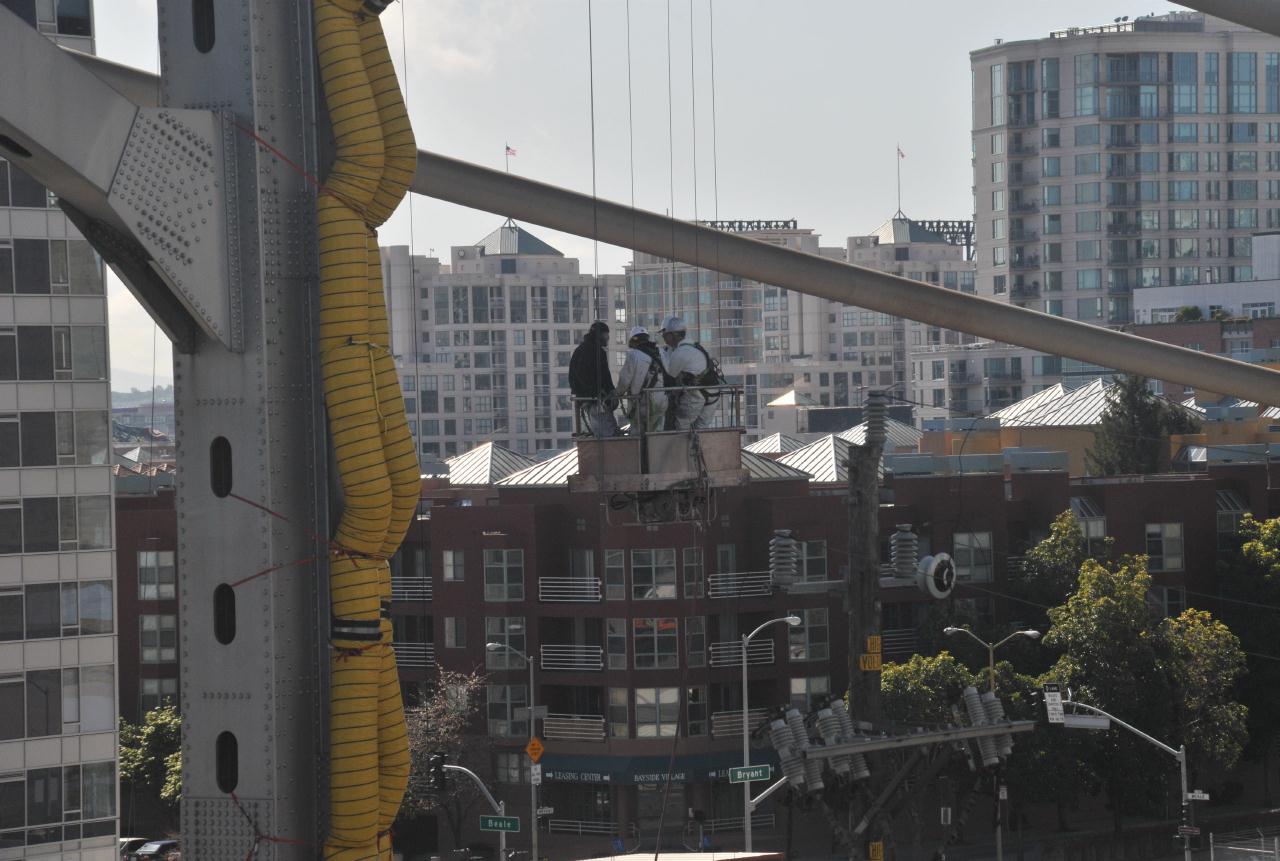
[(869, 663)]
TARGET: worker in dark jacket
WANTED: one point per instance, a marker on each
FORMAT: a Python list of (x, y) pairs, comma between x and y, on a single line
[(589, 377)]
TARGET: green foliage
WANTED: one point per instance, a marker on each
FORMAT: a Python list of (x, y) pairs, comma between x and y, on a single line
[(1202, 659), (1049, 570), (1189, 314), (151, 761), (921, 691), (1134, 428)]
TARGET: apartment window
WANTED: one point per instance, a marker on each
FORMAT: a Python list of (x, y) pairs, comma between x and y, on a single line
[(503, 701), (1242, 82), (157, 580), (997, 171), (694, 573), (813, 561), (972, 554), (997, 95), (810, 640), (1089, 249), (1051, 195), (455, 632), (1259, 309), (1173, 599), (997, 201), (507, 631), (695, 641), (452, 564), (1051, 165), (1089, 309), (1088, 222), (696, 711), (656, 643), (158, 638), (504, 575), (1164, 546), (616, 643), (1088, 279), (615, 575), (653, 574), (809, 692), (619, 713), (1050, 138), (512, 767), (1231, 511), (154, 693), (657, 712)]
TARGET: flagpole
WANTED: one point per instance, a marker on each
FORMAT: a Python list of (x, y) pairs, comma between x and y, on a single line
[(898, 160), (506, 157)]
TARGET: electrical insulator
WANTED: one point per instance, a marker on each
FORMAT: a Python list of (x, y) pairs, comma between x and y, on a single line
[(978, 717), (829, 729), (857, 762), (877, 417), (904, 550), (995, 714), (800, 738), (792, 765), (784, 552)]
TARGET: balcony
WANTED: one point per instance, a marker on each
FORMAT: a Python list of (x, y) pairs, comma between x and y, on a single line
[(728, 653), (1025, 291), (742, 584), (599, 828), (728, 724), (1115, 259), (569, 658), (1026, 206), (961, 378), (1024, 236), (1122, 202), (415, 655), (1021, 180), (1123, 228), (1121, 171), (1005, 376), (1024, 149), (568, 590), (1121, 143), (899, 641), (1031, 261), (762, 821), (565, 727), (410, 588)]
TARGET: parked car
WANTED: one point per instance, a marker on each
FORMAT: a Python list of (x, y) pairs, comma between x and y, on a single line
[(156, 850), (130, 845)]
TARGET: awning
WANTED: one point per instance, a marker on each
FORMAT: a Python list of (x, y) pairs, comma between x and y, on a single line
[(689, 768)]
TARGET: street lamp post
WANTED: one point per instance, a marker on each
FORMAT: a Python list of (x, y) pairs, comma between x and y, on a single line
[(1030, 634), (792, 621), (533, 787)]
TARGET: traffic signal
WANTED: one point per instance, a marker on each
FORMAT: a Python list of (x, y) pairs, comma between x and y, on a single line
[(435, 768)]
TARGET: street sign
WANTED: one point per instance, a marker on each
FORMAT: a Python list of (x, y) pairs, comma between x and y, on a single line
[(534, 748), (869, 663), (875, 850), (1188, 831), (546, 811), (1053, 702), (1197, 795), (873, 644), (499, 823), (1086, 722), (746, 774), (537, 713), (535, 774), (1004, 793), (945, 818)]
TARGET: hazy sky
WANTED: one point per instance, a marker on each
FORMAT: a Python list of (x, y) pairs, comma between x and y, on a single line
[(811, 98)]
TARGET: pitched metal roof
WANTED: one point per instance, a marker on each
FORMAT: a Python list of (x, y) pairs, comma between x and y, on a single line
[(1231, 403), (1057, 406), (485, 464), (761, 468), (552, 472), (897, 435), (1085, 508), (511, 238), (826, 461), (777, 443)]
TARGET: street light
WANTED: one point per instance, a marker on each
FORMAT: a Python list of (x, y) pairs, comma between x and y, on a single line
[(991, 647), (793, 621), (533, 787), (1030, 634)]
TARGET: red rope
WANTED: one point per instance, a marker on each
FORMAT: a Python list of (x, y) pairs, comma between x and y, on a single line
[(259, 837), (265, 571)]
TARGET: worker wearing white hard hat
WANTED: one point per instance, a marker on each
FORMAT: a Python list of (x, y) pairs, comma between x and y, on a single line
[(641, 379), (686, 364)]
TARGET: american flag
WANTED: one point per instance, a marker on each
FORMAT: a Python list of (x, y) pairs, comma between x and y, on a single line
[(510, 150), (901, 154)]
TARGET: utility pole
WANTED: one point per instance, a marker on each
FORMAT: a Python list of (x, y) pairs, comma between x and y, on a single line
[(862, 603)]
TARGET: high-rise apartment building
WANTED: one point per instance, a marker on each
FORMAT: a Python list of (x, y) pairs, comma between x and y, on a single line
[(1108, 160), (483, 342), (58, 790)]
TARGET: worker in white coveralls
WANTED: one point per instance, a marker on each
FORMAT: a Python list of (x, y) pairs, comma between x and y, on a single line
[(642, 378), (689, 366)]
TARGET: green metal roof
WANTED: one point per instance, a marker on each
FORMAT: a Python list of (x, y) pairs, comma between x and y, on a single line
[(511, 238)]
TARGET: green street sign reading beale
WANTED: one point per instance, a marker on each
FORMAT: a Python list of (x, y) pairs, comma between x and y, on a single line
[(750, 773), (499, 823)]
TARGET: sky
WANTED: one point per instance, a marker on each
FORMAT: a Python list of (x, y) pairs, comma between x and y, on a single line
[(811, 100)]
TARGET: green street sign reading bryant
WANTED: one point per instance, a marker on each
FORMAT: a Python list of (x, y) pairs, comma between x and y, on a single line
[(749, 773), (499, 823)]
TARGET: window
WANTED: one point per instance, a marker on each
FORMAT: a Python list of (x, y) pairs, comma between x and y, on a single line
[(1051, 195), (1088, 192), (1173, 599), (158, 640), (695, 711), (1089, 249), (512, 767), (1164, 546), (507, 631), (504, 575), (808, 693), (44, 697), (695, 641), (616, 643), (618, 713), (656, 643), (1088, 279), (1088, 309), (810, 640), (694, 573), (813, 561), (972, 553), (657, 712), (452, 564), (153, 693), (12, 719), (653, 574), (455, 632), (1051, 165), (156, 578), (615, 575), (1242, 82), (503, 700)]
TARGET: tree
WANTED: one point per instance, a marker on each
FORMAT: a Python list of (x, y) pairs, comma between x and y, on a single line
[(151, 769), (1134, 428), (439, 725), (1188, 314), (922, 690)]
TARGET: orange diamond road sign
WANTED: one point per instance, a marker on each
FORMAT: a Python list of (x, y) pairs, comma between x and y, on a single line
[(534, 748)]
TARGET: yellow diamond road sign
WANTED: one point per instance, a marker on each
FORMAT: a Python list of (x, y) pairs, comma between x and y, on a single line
[(534, 748)]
